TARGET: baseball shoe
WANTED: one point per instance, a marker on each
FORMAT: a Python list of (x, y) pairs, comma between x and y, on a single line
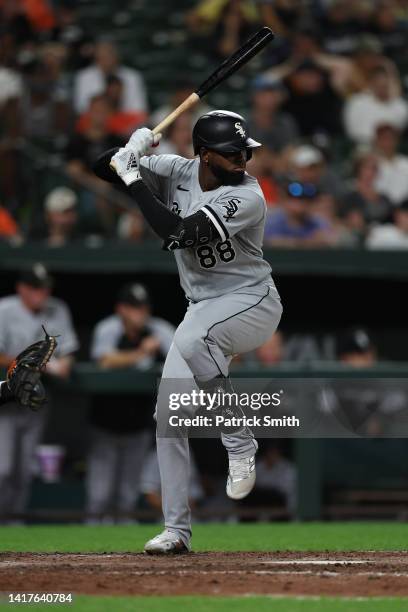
[(166, 543), (241, 477)]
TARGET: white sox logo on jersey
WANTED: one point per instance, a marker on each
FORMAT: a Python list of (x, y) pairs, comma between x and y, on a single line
[(231, 208), (239, 129)]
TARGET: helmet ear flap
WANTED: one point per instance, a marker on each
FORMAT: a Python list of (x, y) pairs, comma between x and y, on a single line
[(248, 153)]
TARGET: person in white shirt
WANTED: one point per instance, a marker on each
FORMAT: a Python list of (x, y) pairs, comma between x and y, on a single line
[(92, 81), (364, 111), (392, 180), (21, 319), (392, 235)]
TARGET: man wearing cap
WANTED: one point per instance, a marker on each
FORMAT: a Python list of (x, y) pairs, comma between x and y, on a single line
[(295, 224), (308, 165), (21, 319), (130, 338), (267, 123), (61, 216)]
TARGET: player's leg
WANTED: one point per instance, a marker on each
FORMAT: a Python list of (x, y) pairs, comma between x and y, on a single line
[(213, 331), (134, 449), (8, 433), (174, 465), (101, 470), (30, 433)]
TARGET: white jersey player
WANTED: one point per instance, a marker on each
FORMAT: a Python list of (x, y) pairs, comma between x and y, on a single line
[(211, 213)]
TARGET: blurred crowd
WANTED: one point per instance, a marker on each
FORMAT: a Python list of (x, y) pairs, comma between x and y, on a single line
[(328, 103)]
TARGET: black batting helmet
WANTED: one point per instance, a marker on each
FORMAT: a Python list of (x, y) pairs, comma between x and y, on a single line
[(223, 131)]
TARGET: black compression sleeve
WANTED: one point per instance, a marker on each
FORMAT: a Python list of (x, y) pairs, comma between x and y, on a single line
[(177, 233), (162, 220), (5, 395)]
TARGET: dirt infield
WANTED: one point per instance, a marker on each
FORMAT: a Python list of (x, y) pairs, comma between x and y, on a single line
[(288, 573)]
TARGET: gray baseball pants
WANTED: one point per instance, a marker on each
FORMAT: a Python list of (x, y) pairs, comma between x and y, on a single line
[(114, 466), (20, 433), (211, 333)]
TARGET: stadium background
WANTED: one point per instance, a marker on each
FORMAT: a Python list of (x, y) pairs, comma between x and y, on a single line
[(325, 290)]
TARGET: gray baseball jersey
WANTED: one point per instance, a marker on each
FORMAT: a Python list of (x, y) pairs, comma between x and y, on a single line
[(108, 332), (20, 327), (238, 213)]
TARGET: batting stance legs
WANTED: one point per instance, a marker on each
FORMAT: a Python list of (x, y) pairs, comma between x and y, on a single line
[(211, 333)]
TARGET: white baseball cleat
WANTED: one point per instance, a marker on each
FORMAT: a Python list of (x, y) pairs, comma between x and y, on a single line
[(241, 477), (166, 543)]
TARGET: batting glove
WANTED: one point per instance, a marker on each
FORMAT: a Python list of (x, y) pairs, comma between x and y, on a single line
[(141, 140), (125, 164), (126, 160)]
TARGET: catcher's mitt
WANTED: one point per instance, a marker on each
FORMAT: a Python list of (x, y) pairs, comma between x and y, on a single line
[(24, 374)]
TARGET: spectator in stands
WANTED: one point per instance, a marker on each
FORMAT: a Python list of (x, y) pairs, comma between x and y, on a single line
[(21, 319), (130, 338), (264, 166), (207, 15), (233, 28), (11, 92), (338, 26), (177, 139), (368, 57), (379, 104), (364, 194), (308, 165), (92, 81), (46, 110), (182, 89), (150, 485), (312, 101), (391, 235), (131, 226), (294, 224), (306, 47), (392, 179), (275, 129), (121, 122), (271, 352), (71, 32), (82, 151), (9, 230), (390, 30), (61, 216)]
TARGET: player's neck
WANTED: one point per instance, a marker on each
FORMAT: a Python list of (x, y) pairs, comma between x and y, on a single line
[(207, 180)]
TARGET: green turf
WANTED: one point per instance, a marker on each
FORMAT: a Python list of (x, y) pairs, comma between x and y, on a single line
[(226, 604), (223, 537)]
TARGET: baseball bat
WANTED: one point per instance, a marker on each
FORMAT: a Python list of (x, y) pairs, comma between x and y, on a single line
[(230, 65), (233, 63)]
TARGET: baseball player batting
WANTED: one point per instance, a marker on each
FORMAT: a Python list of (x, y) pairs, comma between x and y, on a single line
[(211, 213)]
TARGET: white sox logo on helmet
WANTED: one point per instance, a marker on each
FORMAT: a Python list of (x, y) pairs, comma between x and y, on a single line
[(239, 129)]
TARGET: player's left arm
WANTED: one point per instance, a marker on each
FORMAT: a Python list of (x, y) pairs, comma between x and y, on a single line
[(177, 233)]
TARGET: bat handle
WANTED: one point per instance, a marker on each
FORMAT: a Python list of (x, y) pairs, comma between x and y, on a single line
[(186, 105)]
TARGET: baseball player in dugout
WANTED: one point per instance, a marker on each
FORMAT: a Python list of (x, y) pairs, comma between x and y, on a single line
[(131, 337), (211, 213), (26, 320)]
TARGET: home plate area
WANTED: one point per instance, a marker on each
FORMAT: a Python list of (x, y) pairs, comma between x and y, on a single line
[(213, 573)]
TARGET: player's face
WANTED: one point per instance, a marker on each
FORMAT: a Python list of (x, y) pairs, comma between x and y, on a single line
[(228, 168), (133, 317), (34, 298)]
